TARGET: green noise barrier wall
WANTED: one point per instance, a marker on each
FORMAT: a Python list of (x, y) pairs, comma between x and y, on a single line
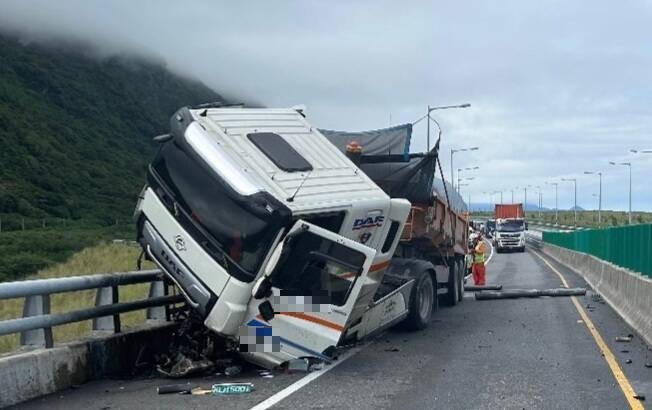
[(626, 246)]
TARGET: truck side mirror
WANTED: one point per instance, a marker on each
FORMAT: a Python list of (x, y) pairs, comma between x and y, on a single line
[(266, 311)]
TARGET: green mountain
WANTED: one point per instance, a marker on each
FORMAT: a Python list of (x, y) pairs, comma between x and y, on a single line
[(75, 130)]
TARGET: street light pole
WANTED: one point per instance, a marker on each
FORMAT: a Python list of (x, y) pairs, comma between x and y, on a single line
[(628, 164), (453, 151), (443, 107), (599, 174), (539, 201), (574, 181), (459, 173), (556, 185)]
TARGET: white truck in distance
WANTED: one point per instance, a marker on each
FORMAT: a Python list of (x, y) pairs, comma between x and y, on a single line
[(510, 227), (271, 233)]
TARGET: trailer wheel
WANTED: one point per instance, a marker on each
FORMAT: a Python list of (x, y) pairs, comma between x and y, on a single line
[(423, 301), (461, 268), (453, 285)]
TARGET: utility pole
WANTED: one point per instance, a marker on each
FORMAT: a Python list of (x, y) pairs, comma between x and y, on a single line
[(627, 164), (599, 174), (574, 181), (453, 151), (556, 185)]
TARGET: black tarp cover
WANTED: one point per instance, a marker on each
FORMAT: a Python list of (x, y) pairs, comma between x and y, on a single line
[(387, 141), (387, 161)]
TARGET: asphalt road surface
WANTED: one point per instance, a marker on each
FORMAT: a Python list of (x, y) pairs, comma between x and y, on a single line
[(523, 353)]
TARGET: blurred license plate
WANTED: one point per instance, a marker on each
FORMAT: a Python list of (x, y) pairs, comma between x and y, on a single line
[(232, 388)]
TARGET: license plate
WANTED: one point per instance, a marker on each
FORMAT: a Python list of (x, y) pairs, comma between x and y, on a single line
[(232, 388)]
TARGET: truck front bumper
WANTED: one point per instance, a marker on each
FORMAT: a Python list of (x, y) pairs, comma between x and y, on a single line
[(197, 295)]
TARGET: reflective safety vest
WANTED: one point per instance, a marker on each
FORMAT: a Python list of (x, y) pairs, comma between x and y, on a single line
[(478, 254)]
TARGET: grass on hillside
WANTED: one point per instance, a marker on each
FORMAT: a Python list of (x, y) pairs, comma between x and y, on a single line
[(98, 259), (23, 253)]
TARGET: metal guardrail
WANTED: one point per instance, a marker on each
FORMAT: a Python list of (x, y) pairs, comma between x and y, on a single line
[(536, 222), (35, 327), (534, 242)]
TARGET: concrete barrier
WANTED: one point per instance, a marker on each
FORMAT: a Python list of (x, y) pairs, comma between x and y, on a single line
[(628, 293), (27, 375)]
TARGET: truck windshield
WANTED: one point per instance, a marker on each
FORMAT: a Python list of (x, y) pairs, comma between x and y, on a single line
[(317, 267), (235, 231), (510, 226)]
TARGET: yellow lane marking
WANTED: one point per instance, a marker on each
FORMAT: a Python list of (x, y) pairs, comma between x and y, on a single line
[(622, 380)]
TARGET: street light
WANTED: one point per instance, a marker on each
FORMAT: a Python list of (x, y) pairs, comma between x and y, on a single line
[(556, 185), (469, 202), (599, 174), (459, 171), (443, 107), (641, 151), (539, 200), (453, 151), (574, 181), (501, 195), (627, 164), (525, 198)]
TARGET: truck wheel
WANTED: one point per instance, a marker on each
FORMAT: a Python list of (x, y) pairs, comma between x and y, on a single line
[(453, 285), (423, 301), (461, 268)]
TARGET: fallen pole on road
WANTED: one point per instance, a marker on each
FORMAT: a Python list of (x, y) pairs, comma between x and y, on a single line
[(475, 288), (529, 293)]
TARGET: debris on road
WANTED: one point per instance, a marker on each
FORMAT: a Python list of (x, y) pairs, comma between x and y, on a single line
[(529, 293), (182, 389), (474, 288), (316, 367), (195, 350), (266, 374), (232, 371), (298, 365), (624, 339), (639, 397), (232, 388), (393, 349)]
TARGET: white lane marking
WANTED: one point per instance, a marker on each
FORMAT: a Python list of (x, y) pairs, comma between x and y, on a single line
[(491, 254), (276, 398)]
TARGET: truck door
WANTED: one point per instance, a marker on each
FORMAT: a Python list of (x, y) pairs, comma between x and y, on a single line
[(307, 296)]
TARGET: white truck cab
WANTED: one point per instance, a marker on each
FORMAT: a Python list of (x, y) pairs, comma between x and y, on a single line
[(510, 234), (273, 235)]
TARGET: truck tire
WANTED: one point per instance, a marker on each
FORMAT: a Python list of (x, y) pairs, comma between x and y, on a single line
[(461, 266), (423, 301), (453, 285)]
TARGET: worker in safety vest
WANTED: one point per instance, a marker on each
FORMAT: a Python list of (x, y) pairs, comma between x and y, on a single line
[(478, 268)]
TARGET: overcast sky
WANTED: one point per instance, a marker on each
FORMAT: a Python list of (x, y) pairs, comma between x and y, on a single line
[(555, 88)]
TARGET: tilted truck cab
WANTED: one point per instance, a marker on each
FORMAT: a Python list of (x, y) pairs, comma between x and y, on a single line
[(270, 232)]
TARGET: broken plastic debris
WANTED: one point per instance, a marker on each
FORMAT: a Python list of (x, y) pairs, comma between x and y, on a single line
[(266, 374), (232, 371), (639, 397), (298, 365), (624, 339), (628, 361), (316, 367), (181, 389)]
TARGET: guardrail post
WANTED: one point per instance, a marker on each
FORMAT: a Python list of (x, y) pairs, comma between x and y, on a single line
[(36, 306), (107, 296), (157, 288)]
